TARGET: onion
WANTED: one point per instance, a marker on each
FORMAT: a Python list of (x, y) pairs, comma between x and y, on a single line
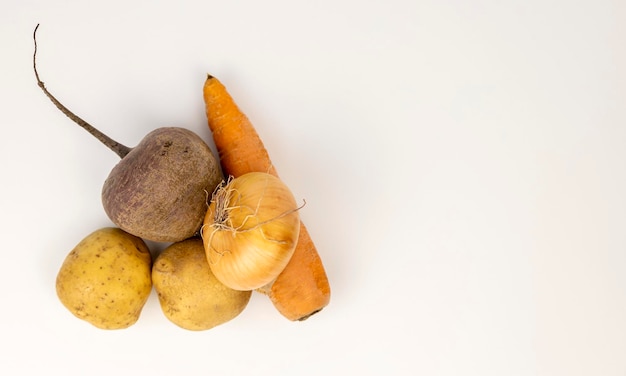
[(250, 230)]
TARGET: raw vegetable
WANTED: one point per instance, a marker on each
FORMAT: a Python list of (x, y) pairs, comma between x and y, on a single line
[(302, 288), (250, 230), (105, 280), (189, 294), (157, 190)]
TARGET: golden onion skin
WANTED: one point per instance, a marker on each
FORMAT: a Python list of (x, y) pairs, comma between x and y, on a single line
[(250, 230)]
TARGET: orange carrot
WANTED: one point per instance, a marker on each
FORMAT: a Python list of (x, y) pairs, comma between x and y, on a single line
[(302, 289)]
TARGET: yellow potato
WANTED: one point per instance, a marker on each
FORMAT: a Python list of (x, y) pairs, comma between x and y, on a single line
[(105, 280), (189, 294)]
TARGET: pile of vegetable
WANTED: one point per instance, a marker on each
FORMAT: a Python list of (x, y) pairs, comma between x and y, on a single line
[(231, 224)]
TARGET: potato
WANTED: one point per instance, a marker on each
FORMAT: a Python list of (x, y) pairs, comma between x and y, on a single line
[(189, 294), (106, 279)]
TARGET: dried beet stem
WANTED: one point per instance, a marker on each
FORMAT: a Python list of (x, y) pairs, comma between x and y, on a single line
[(119, 149)]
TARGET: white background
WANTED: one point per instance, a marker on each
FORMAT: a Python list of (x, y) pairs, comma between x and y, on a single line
[(462, 163)]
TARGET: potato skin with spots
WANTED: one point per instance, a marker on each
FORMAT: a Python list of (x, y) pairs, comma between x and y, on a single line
[(189, 294), (105, 280)]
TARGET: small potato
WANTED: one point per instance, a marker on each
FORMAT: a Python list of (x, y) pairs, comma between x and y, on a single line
[(105, 280), (189, 294)]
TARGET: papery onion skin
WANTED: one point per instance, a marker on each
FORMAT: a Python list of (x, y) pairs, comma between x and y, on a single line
[(250, 230)]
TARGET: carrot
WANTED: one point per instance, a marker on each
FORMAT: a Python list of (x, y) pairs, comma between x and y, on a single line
[(302, 289)]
